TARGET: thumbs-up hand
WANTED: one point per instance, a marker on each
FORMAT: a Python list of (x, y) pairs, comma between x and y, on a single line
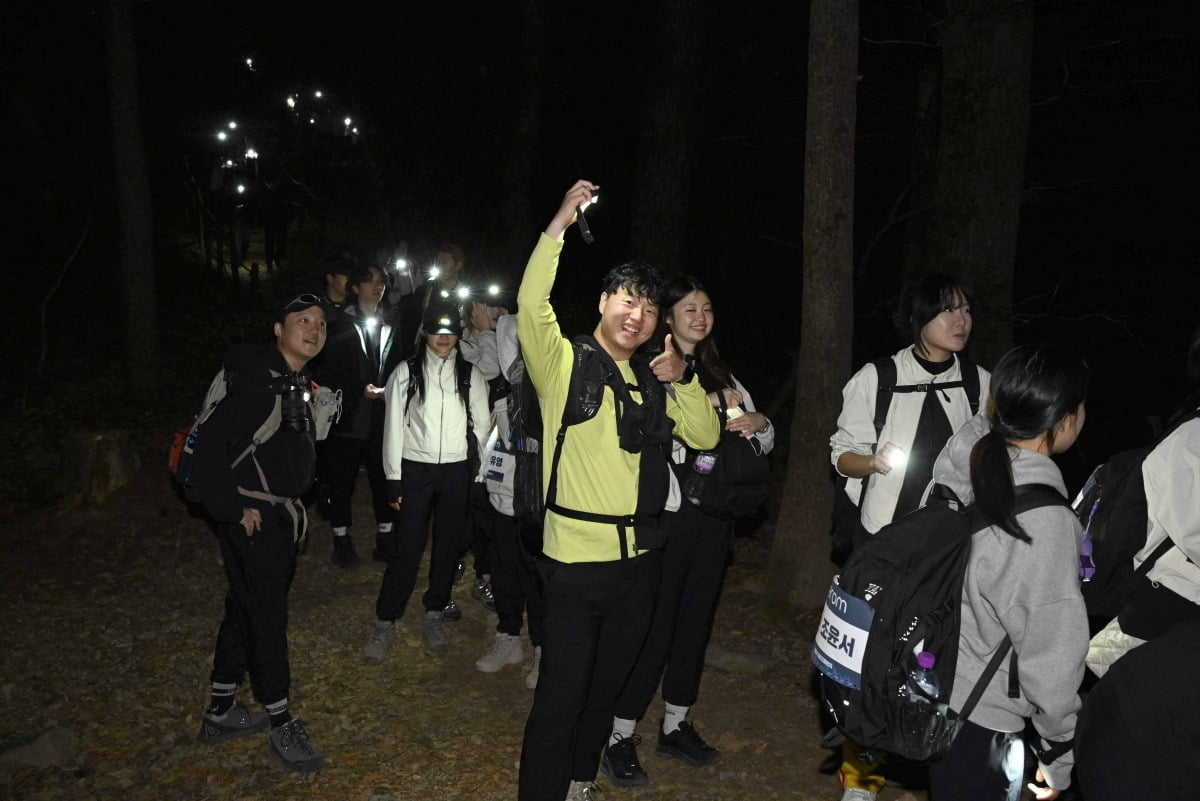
[(667, 366)]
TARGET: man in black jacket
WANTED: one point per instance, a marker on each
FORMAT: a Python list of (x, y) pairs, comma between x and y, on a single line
[(358, 361), (253, 493)]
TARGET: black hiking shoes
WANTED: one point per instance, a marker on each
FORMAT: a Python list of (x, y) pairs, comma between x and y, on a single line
[(686, 743), (621, 764)]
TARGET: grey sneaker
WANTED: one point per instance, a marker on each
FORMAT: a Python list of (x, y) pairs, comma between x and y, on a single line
[(505, 649), (290, 747), (535, 669), (381, 639), (433, 633), (238, 721)]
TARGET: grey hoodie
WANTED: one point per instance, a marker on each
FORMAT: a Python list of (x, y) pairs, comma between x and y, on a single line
[(1029, 591)]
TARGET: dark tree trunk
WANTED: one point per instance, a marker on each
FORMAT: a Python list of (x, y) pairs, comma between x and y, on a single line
[(516, 215), (134, 215), (986, 52), (800, 567), (667, 144)]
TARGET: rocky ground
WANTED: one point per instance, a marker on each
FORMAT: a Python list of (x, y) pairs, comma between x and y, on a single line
[(109, 618)]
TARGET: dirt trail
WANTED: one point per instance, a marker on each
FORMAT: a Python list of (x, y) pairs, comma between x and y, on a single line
[(108, 626)]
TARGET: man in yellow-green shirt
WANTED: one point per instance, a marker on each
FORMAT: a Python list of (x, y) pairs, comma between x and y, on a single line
[(599, 565)]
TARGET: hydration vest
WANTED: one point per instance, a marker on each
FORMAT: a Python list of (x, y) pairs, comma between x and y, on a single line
[(643, 429)]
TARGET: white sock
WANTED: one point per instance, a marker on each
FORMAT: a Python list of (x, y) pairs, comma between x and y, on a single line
[(339, 531), (622, 730), (673, 716)]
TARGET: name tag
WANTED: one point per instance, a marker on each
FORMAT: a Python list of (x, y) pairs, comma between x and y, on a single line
[(842, 637)]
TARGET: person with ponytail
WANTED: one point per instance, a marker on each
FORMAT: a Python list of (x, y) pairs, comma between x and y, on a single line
[(1022, 582)]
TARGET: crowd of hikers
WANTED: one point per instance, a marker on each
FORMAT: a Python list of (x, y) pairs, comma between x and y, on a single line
[(981, 624)]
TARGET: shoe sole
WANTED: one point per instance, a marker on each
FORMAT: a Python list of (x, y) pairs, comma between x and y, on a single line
[(635, 781), (671, 753)]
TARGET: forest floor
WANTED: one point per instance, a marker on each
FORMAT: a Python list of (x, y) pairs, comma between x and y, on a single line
[(108, 623)]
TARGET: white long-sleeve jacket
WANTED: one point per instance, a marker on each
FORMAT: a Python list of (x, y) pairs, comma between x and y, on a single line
[(433, 430), (856, 427)]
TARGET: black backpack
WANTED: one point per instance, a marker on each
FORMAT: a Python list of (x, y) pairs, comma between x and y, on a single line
[(525, 442), (739, 479), (901, 592), (846, 512), (1111, 507)]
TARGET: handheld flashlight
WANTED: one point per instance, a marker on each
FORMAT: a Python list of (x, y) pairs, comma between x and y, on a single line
[(585, 230), (893, 455)]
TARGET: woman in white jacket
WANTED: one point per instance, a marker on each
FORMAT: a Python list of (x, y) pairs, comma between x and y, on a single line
[(934, 312), (1022, 581), (434, 413)]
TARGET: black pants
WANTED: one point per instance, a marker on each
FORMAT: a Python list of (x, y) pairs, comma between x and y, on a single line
[(982, 765), (429, 489), (253, 633), (597, 615), (693, 569), (480, 531), (516, 584), (343, 455)]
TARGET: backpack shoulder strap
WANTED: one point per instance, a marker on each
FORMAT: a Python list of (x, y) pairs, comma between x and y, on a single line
[(462, 373), (885, 369), (1035, 496), (415, 377)]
